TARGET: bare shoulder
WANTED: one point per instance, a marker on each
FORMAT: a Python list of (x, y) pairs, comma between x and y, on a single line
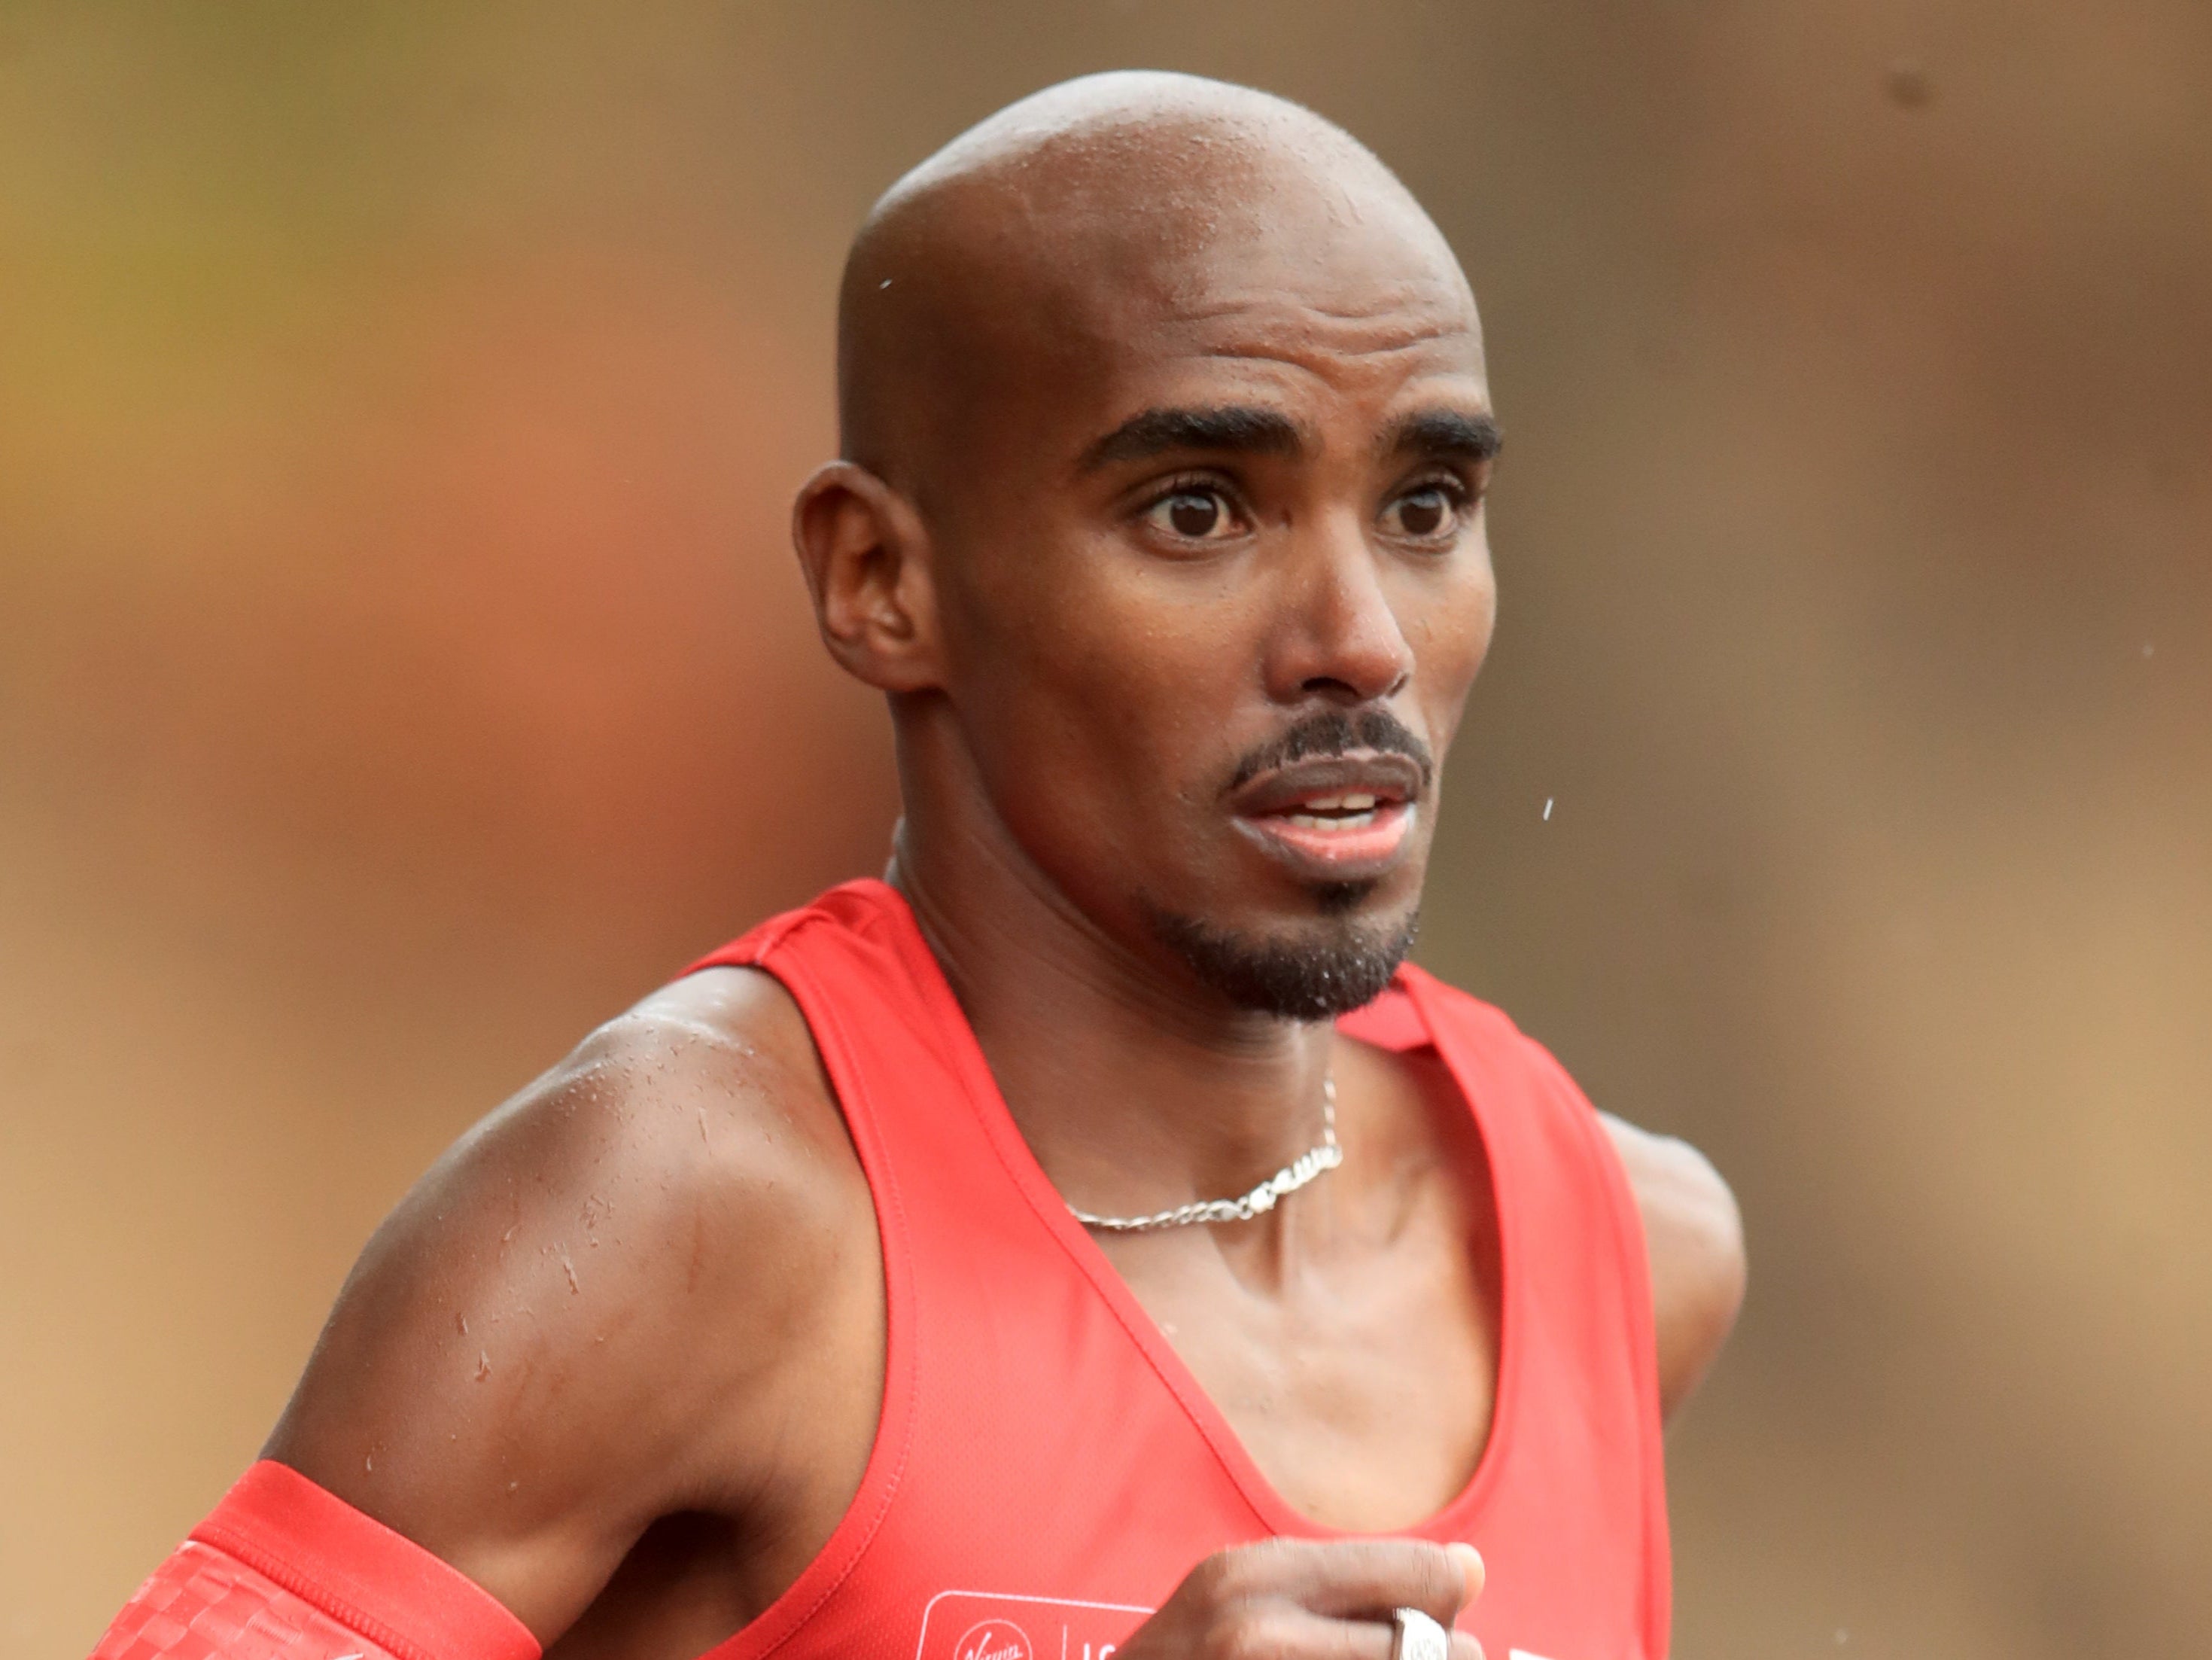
[(1694, 1234), (592, 1310)]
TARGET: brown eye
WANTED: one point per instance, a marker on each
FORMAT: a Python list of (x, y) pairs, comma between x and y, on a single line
[(1192, 514), (1426, 513)]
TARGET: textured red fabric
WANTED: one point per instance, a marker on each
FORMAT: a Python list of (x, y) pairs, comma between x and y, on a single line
[(204, 1604), (1046, 1469), (282, 1568)]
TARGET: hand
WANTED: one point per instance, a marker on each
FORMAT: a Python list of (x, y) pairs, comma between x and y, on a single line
[(1297, 1599)]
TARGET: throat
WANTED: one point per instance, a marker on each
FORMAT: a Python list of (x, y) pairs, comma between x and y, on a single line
[(1348, 1348)]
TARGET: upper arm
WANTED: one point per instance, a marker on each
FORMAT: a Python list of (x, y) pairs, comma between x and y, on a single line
[(1694, 1236), (582, 1317)]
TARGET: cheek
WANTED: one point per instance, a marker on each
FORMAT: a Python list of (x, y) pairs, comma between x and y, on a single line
[(1081, 688), (1450, 633)]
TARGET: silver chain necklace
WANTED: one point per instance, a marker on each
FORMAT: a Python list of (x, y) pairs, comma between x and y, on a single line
[(1288, 1180)]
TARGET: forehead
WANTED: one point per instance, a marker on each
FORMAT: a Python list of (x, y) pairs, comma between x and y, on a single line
[(1347, 332), (1089, 284), (1330, 343)]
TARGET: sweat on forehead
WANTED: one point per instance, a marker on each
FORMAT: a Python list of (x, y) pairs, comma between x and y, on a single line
[(1055, 227)]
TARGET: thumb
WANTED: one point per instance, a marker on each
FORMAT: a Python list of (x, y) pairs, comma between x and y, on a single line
[(1472, 1572)]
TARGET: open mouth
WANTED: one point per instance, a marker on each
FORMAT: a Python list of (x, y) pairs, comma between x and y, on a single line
[(1353, 810), (1339, 817)]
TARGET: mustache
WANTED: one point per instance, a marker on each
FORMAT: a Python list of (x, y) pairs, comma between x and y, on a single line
[(1338, 731)]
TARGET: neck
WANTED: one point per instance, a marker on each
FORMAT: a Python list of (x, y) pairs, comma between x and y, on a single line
[(1136, 1087)]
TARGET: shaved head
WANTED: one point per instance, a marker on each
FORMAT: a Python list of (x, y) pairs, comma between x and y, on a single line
[(1166, 433), (1049, 230)]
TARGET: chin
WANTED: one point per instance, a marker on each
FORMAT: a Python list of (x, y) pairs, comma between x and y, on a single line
[(1331, 962)]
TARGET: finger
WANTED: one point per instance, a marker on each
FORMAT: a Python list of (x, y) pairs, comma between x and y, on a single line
[(1295, 1633), (1352, 1577), (1473, 1574)]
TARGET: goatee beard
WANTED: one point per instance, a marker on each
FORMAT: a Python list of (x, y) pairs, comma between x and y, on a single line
[(1346, 967)]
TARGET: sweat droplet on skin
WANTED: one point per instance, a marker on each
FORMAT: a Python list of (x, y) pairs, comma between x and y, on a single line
[(483, 1364)]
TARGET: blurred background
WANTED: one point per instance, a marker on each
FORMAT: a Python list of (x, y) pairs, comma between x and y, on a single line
[(403, 668)]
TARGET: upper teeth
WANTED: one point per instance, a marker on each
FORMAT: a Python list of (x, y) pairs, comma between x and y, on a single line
[(1359, 803)]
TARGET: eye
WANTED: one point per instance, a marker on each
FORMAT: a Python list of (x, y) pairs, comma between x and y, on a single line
[(1193, 512), (1428, 512)]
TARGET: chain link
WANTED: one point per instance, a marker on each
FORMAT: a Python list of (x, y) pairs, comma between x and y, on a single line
[(1262, 1199)]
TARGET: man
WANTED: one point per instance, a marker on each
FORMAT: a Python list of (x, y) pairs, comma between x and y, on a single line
[(1093, 1218)]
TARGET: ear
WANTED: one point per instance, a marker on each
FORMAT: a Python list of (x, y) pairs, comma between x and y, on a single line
[(865, 554)]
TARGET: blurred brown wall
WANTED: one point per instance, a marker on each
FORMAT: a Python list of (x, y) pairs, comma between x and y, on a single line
[(402, 667)]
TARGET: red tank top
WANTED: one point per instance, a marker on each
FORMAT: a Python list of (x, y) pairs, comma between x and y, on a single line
[(1046, 1470)]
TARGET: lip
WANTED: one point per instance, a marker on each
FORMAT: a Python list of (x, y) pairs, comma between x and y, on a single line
[(1267, 811)]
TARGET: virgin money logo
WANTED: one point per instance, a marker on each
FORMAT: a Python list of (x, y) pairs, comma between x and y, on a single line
[(994, 1640), (1044, 1627)]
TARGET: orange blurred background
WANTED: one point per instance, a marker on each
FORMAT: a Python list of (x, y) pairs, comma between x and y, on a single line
[(402, 668)]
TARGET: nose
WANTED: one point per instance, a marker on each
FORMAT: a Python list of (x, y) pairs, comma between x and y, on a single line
[(1339, 638)]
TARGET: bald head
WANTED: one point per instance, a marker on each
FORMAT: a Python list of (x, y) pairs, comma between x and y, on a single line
[(1087, 216), (1166, 439)]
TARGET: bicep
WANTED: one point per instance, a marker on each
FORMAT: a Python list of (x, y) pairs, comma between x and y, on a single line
[(446, 1398), (564, 1333), (1693, 1234)]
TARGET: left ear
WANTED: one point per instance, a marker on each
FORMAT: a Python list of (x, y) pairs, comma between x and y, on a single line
[(865, 554)]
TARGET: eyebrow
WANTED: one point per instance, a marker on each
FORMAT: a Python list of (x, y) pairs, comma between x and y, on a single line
[(1234, 428), (1445, 434)]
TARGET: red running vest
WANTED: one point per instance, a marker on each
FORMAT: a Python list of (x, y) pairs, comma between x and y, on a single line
[(1046, 1470)]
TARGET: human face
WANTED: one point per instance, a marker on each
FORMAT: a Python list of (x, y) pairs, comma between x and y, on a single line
[(1217, 597)]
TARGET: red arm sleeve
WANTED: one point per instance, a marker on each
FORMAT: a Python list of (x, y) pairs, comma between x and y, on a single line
[(285, 1571)]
